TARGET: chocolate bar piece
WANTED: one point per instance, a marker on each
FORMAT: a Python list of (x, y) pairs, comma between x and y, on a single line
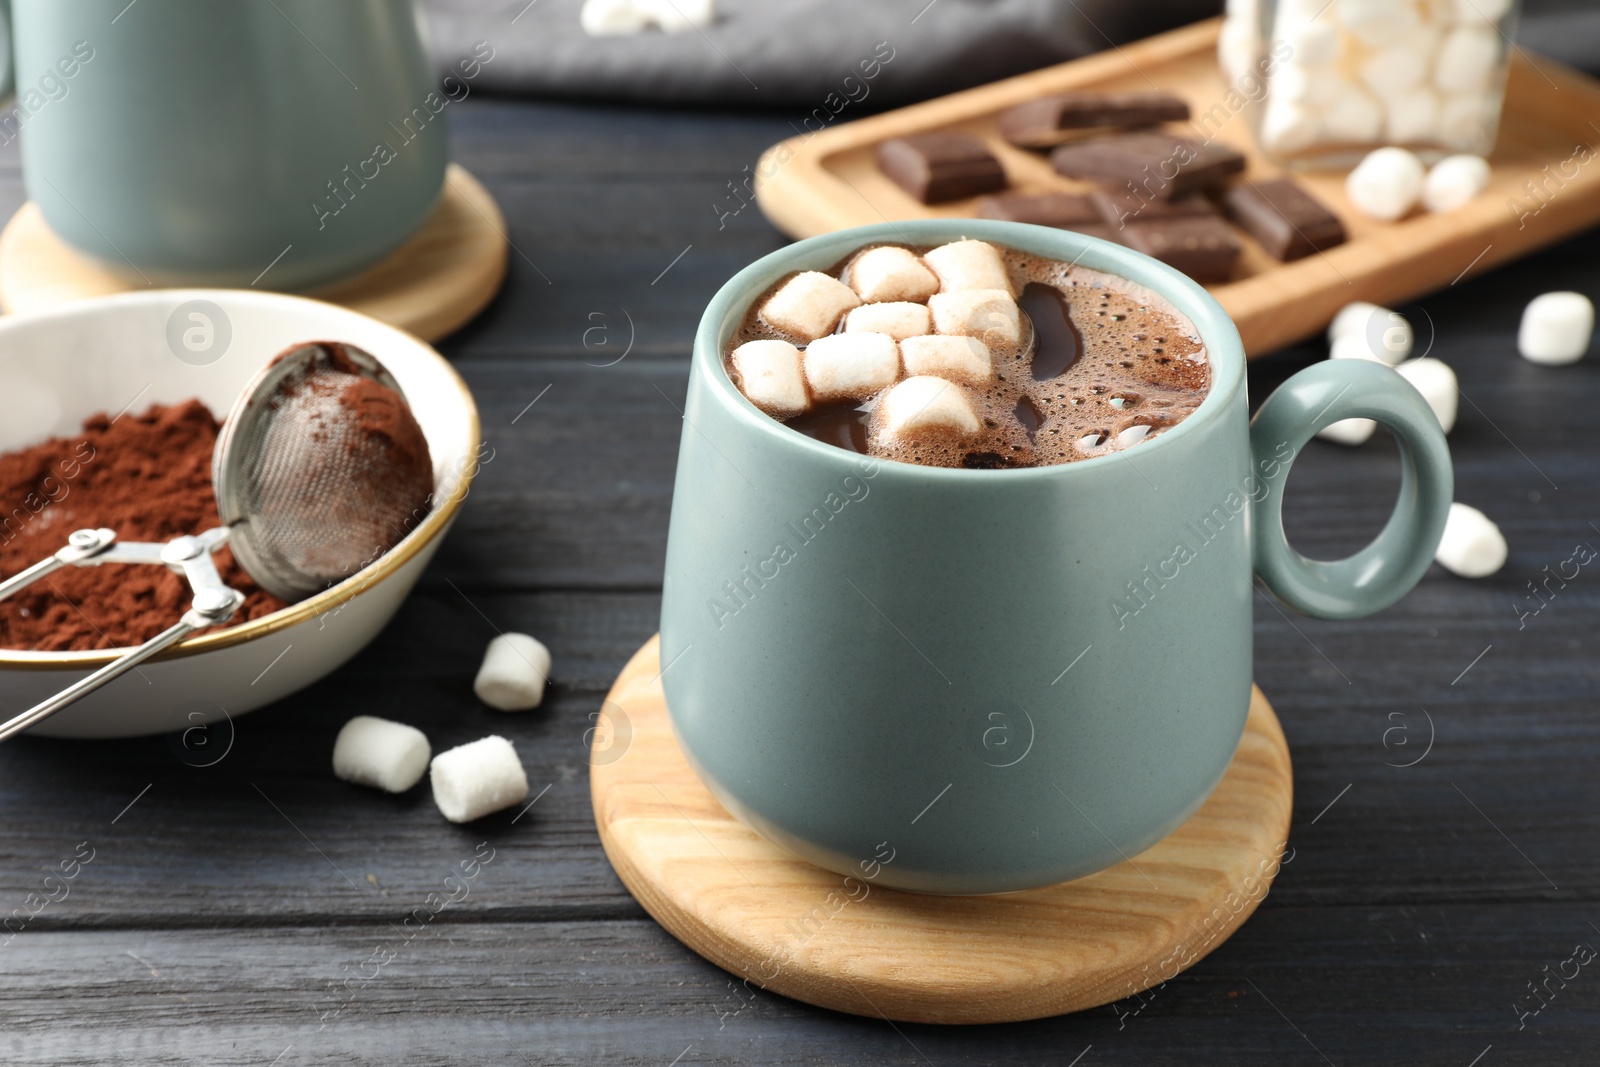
[(1041, 209), (1049, 120), (1121, 207), (935, 167), (1064, 211), (1288, 221), (1202, 246), (1159, 166)]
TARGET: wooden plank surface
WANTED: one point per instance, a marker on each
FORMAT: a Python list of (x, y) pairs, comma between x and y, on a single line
[(1417, 908)]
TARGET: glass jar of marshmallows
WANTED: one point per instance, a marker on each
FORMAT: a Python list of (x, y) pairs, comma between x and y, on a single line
[(1345, 76)]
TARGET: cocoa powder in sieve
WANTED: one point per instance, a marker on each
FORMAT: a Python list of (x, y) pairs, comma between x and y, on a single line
[(148, 477)]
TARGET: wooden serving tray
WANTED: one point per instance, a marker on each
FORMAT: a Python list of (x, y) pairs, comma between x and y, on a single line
[(829, 181), (774, 921)]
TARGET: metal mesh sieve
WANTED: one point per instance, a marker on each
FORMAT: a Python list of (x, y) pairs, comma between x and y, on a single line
[(309, 498)]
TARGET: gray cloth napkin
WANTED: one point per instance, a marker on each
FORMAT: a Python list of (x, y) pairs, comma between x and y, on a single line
[(795, 53)]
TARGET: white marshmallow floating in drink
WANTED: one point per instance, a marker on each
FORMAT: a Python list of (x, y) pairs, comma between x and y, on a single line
[(851, 366), (988, 314), (770, 375), (1556, 328), (809, 305), (1434, 379), (899, 319), (922, 403), (960, 359), (1472, 545), (385, 755), (1454, 182), (477, 779), (1386, 184), (969, 265), (891, 274), (514, 672)]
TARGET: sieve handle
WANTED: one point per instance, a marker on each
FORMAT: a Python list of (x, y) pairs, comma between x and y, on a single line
[(83, 547), (115, 669), (214, 603)]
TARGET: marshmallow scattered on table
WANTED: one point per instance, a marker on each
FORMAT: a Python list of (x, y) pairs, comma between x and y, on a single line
[(1454, 181), (1556, 328), (476, 779), (770, 375), (1353, 316), (1386, 184), (514, 671), (383, 754), (924, 402), (675, 16), (1434, 379), (1348, 431), (1367, 331), (612, 18), (1472, 545), (851, 366), (960, 359), (989, 314), (969, 265), (1383, 345), (889, 273), (809, 304), (899, 319)]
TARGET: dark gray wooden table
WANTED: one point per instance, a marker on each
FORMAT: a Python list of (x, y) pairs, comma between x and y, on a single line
[(250, 912)]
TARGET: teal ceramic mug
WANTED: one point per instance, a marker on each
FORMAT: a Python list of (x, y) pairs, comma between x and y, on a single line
[(284, 143), (1009, 678)]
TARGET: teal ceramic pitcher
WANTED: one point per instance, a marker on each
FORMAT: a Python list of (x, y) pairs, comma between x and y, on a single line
[(282, 143)]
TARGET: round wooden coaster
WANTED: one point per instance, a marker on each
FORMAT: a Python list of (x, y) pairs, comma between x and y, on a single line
[(787, 926), (431, 285)]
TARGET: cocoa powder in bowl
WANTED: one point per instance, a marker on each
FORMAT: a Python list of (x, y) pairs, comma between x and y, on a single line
[(146, 476)]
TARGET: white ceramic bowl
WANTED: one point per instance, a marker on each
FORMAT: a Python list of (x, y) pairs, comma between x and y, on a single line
[(60, 366)]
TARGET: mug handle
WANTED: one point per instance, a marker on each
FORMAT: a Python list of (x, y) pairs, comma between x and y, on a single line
[(1386, 569)]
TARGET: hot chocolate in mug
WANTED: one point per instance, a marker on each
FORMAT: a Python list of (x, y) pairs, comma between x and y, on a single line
[(1009, 677)]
